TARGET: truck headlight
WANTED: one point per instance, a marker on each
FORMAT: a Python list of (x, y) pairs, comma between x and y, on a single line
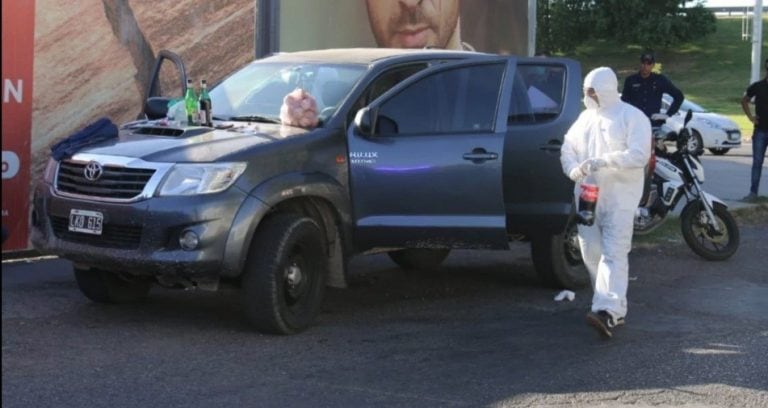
[(50, 170), (206, 178)]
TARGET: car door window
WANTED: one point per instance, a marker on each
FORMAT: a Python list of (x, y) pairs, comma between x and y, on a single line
[(538, 93), (384, 83), (456, 100)]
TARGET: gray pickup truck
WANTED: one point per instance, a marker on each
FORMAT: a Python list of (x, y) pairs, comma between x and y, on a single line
[(416, 152)]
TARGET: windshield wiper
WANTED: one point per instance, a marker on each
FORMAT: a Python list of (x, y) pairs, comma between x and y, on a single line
[(254, 118)]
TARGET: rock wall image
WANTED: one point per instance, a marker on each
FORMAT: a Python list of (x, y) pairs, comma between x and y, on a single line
[(93, 58)]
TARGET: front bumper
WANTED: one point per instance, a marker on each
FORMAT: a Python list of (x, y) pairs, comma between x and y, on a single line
[(731, 140), (140, 238)]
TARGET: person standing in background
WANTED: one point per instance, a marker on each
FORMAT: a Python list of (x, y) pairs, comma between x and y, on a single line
[(644, 90), (759, 92), (416, 23)]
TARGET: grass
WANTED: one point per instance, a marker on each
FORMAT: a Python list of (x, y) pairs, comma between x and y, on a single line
[(713, 71), (669, 232)]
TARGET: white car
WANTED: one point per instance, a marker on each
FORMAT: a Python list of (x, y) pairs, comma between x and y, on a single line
[(710, 130)]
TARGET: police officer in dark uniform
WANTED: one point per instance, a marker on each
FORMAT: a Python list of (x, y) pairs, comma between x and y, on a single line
[(644, 90)]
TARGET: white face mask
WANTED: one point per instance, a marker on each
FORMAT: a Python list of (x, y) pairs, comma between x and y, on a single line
[(590, 103)]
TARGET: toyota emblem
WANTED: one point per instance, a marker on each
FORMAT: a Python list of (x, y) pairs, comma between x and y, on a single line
[(93, 171)]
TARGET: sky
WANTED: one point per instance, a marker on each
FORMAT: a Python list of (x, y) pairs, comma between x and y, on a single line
[(733, 3)]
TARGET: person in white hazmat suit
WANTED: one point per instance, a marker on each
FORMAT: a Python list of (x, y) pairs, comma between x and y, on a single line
[(609, 144)]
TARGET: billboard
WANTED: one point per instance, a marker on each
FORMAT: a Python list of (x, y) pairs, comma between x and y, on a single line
[(81, 75), (497, 26), (18, 56)]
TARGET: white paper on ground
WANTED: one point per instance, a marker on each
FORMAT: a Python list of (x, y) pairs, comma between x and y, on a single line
[(566, 294)]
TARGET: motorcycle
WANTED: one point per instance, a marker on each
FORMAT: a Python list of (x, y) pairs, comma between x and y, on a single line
[(707, 226)]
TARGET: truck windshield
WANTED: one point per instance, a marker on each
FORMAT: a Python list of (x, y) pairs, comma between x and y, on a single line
[(257, 91)]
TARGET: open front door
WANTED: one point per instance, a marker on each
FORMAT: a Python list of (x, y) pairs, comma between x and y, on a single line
[(168, 81), (425, 160)]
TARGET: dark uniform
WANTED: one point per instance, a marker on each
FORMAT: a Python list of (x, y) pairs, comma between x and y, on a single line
[(645, 93)]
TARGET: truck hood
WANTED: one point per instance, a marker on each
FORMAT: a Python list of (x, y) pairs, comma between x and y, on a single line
[(153, 143)]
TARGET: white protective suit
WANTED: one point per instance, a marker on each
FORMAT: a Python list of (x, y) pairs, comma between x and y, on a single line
[(619, 136)]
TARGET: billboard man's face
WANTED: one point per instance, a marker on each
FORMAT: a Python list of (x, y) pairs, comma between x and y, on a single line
[(414, 23)]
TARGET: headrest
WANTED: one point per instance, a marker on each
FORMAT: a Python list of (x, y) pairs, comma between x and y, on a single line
[(333, 91)]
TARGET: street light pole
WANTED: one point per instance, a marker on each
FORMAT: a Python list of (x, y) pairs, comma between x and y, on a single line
[(757, 40)]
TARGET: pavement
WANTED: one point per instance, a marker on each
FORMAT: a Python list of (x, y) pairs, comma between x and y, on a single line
[(482, 332), (728, 176)]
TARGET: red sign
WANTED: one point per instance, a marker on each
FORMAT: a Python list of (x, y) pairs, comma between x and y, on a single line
[(18, 55)]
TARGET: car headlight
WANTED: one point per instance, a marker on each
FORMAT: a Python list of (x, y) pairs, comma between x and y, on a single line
[(50, 170), (712, 124), (193, 179)]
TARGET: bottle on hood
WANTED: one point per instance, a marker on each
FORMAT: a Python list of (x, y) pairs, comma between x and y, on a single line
[(205, 105), (191, 103)]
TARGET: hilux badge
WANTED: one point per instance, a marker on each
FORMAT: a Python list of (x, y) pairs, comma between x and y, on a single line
[(92, 171), (363, 157)]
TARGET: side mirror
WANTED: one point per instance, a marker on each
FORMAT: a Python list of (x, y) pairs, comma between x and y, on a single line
[(365, 121), (156, 107)]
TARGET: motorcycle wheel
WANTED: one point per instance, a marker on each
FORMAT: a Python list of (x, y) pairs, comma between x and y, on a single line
[(702, 238), (695, 144)]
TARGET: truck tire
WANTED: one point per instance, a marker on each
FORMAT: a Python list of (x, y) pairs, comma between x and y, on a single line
[(557, 259), (106, 287), (419, 259), (284, 277)]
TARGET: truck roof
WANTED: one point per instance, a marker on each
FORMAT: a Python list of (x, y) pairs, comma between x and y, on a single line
[(366, 55)]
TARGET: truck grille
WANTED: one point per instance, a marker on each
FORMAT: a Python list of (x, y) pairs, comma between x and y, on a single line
[(115, 181), (112, 236)]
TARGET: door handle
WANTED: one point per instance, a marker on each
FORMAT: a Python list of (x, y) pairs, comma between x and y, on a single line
[(479, 155), (553, 145)]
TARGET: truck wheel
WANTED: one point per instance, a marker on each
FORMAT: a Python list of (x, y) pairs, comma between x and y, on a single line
[(106, 287), (284, 278), (557, 259), (419, 259)]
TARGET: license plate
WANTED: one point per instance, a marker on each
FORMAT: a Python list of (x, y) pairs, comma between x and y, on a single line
[(88, 222)]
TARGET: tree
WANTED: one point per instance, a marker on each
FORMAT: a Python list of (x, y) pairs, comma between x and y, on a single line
[(565, 24)]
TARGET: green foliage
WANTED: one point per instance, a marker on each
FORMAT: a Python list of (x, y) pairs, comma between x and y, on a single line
[(562, 24), (712, 71), (565, 24)]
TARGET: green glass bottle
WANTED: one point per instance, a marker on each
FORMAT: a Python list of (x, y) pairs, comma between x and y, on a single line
[(190, 102), (205, 105)]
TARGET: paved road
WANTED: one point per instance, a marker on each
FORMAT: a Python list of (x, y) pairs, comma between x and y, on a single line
[(481, 333), (728, 176)]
